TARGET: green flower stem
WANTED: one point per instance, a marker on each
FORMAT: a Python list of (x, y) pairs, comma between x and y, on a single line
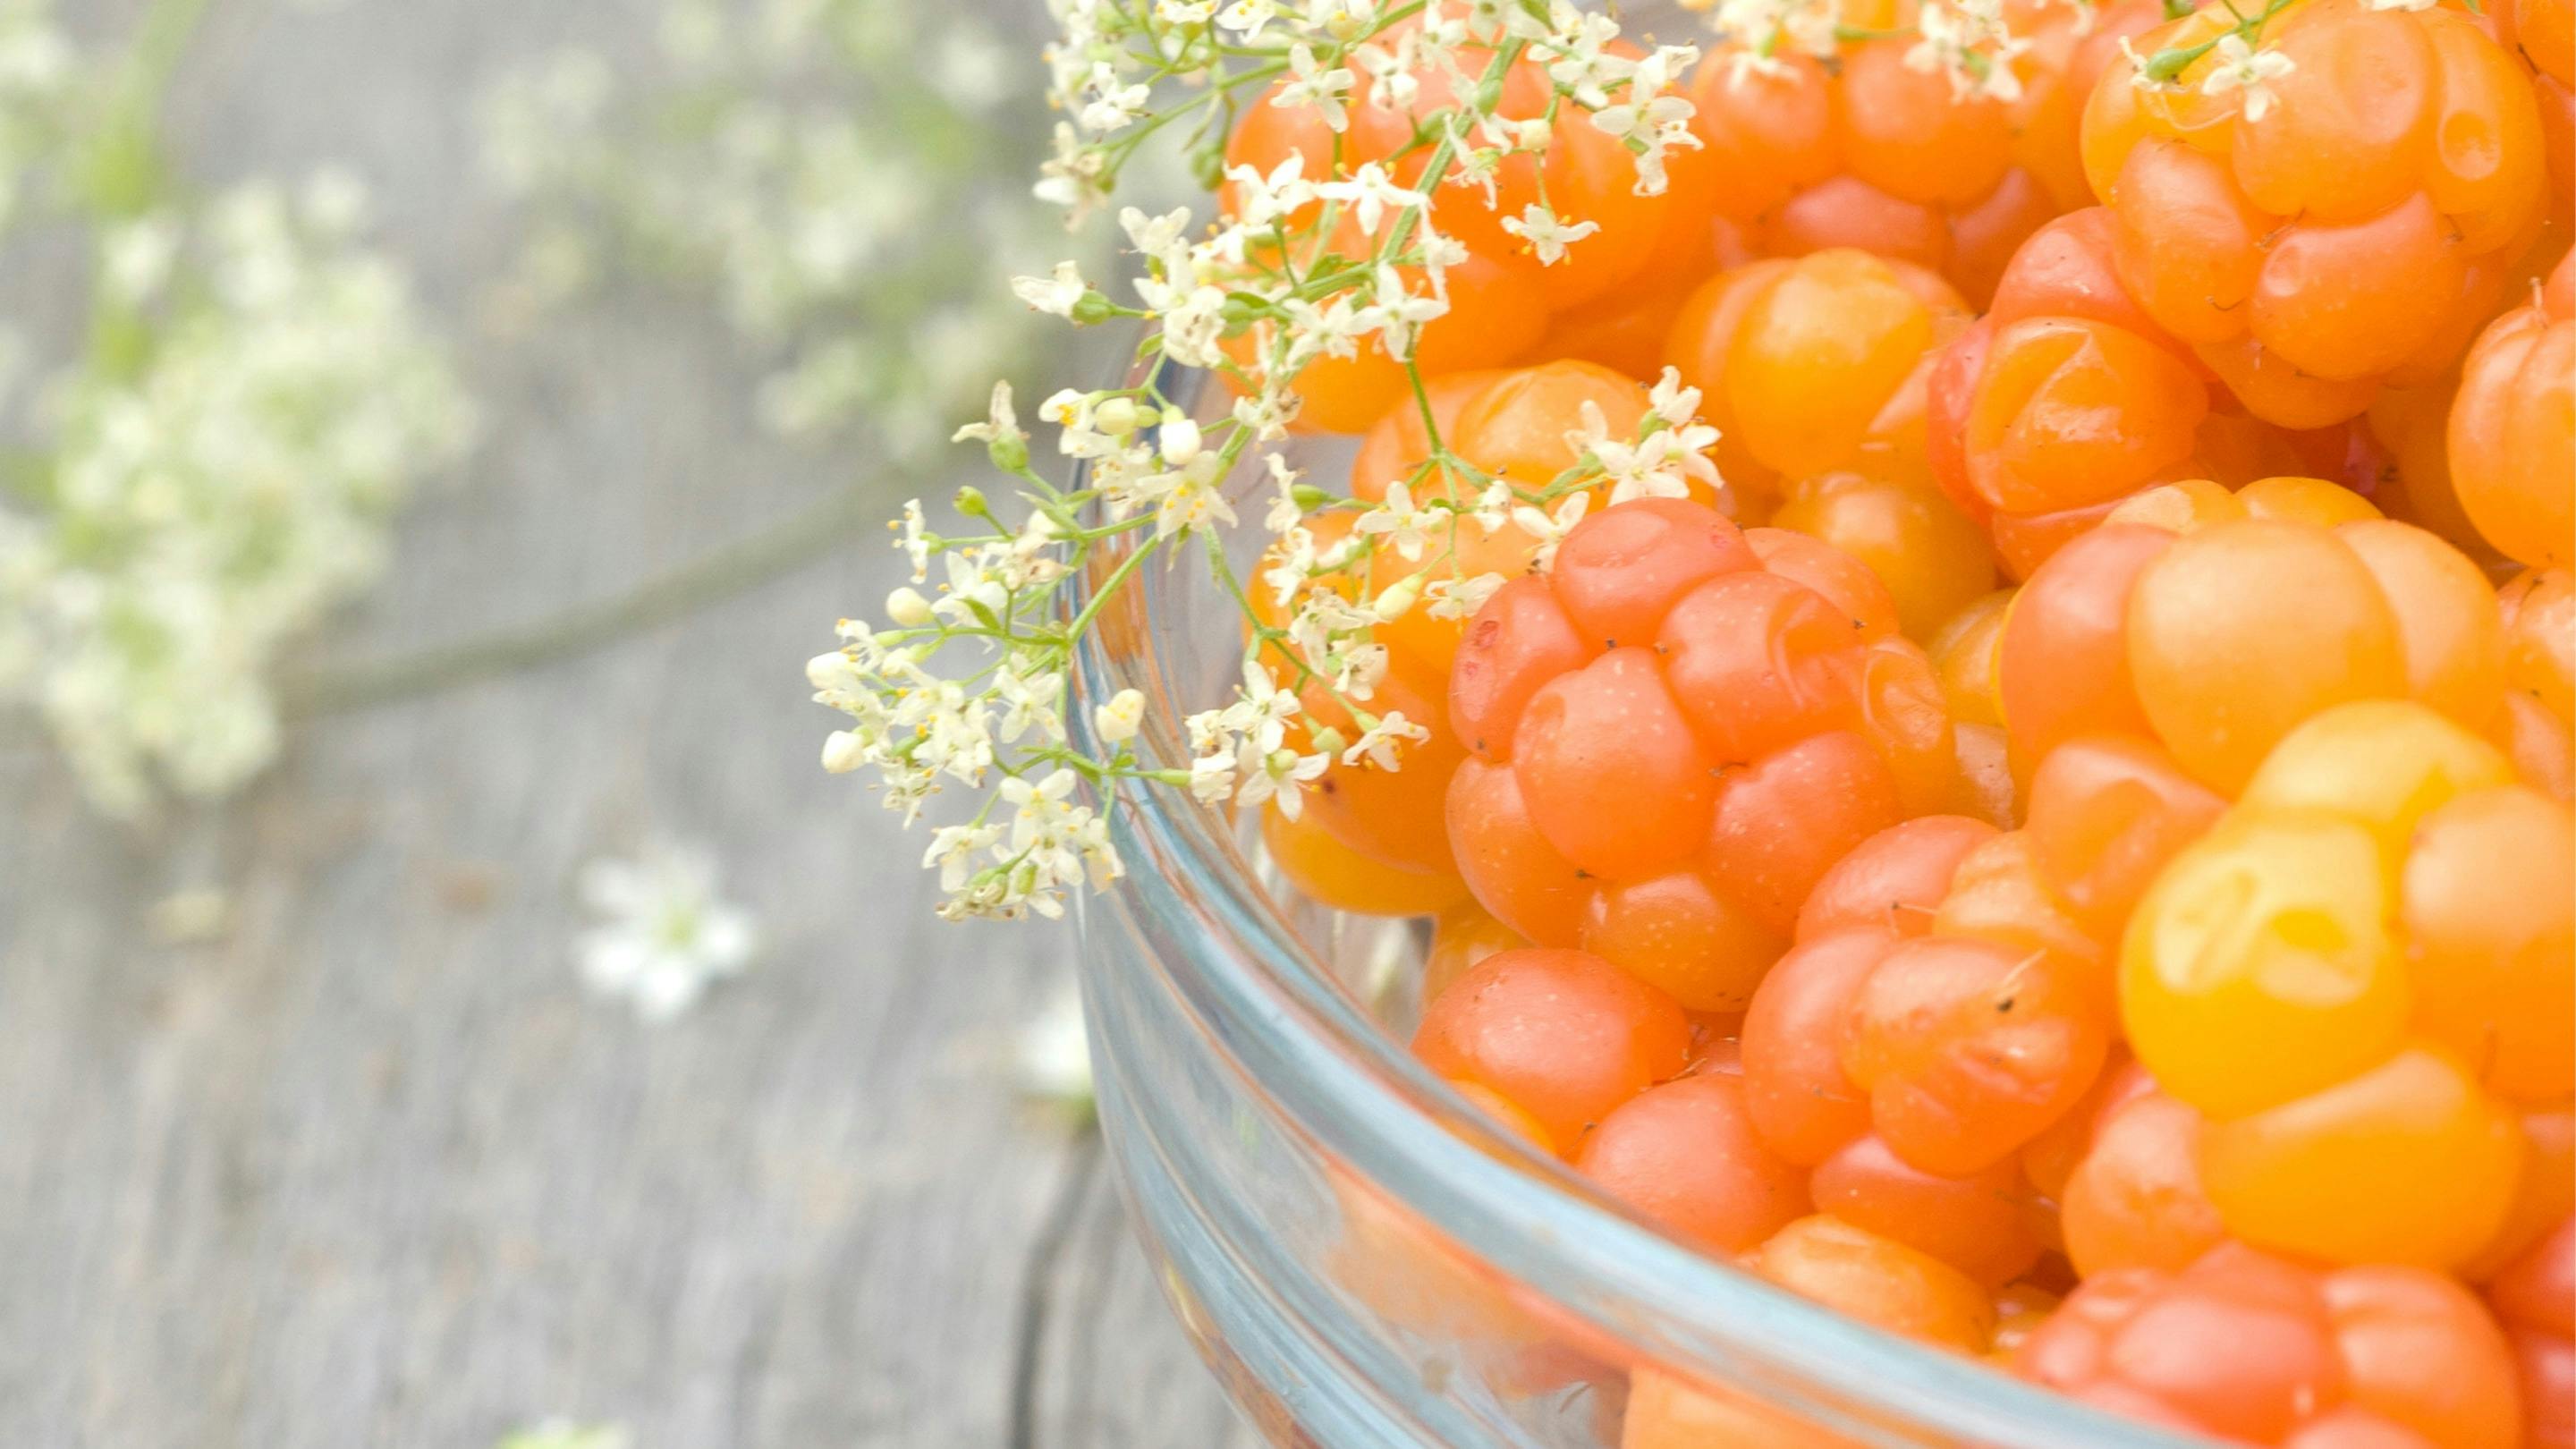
[(783, 548)]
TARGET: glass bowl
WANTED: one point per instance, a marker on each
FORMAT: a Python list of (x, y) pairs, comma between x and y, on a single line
[(1360, 1256)]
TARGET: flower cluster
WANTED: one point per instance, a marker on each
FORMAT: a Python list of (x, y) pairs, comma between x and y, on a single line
[(793, 164), (665, 932), (1303, 265), (1970, 41), (36, 72), (2235, 60), (214, 475)]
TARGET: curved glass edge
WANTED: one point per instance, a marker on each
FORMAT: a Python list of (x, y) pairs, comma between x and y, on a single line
[(1264, 999)]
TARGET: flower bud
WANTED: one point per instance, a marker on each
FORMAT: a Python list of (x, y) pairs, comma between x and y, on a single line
[(1119, 718), (843, 752), (1328, 741), (970, 501), (1009, 452), (907, 607), (1396, 599), (1118, 416), (1180, 439)]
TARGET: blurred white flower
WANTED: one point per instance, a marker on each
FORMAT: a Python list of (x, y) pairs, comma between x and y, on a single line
[(845, 188), (1055, 1056), (210, 479), (665, 933), (565, 1434)]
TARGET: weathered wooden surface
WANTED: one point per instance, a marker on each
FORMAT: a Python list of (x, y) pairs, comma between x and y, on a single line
[(372, 1170)]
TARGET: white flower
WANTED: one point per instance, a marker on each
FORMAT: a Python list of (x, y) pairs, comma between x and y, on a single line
[(2240, 67), (910, 538), (1261, 198), (1461, 598), (1261, 710), (1292, 562), (1278, 774), (665, 934), (1054, 843), (1186, 500), (1970, 42), (1677, 405), (1155, 236), (1112, 107), (1055, 1056), (1193, 326), (1393, 74), (1247, 18), (1547, 236), (1029, 702), (1054, 294), (1549, 528), (1371, 193), (1212, 777), (974, 594), (565, 1434), (954, 849), (191, 507), (1397, 314), (1379, 743), (1286, 514), (1119, 719), (1406, 527), (1312, 84), (1000, 423)]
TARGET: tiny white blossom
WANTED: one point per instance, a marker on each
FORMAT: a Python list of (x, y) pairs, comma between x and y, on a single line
[(910, 539), (1550, 528), (1054, 294), (1029, 702), (1212, 777), (665, 933), (1371, 193), (1248, 18), (1379, 743), (1277, 775), (957, 851), (2242, 68), (1405, 527), (1286, 513), (1317, 86), (1398, 314), (1112, 107), (1670, 400), (1461, 598), (1000, 423), (1548, 237)]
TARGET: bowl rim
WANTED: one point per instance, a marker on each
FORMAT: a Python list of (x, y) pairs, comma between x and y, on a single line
[(1264, 999)]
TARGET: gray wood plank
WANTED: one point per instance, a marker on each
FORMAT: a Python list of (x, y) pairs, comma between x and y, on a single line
[(1105, 1378), (371, 1169)]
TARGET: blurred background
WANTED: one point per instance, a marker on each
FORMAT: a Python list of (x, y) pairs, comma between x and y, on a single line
[(442, 1002)]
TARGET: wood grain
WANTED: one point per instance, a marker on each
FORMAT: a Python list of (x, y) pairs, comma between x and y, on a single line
[(371, 1169)]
